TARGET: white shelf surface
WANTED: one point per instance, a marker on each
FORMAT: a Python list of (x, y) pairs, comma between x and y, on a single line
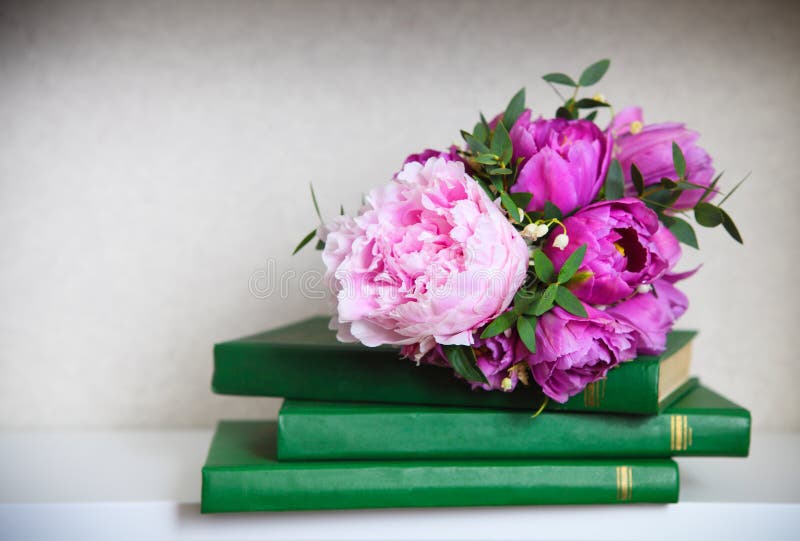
[(146, 485)]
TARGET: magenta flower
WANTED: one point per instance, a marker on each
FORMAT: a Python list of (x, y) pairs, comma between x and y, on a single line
[(565, 161), (422, 157), (650, 148), (653, 314), (495, 356), (428, 258), (627, 246), (572, 352)]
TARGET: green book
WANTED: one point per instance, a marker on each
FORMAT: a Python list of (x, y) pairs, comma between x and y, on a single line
[(242, 474), (702, 423), (305, 361)]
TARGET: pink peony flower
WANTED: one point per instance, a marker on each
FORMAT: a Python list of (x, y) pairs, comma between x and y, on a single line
[(572, 352), (650, 148), (429, 257), (627, 246), (653, 314), (565, 161)]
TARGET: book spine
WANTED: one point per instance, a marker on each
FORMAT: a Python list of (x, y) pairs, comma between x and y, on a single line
[(430, 484), (314, 431), (254, 369)]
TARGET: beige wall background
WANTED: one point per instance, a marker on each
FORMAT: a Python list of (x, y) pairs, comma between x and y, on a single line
[(155, 155)]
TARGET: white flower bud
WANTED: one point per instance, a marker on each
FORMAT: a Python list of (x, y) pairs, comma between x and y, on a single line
[(636, 127), (541, 230), (601, 307), (529, 232), (561, 241), (505, 384), (643, 288)]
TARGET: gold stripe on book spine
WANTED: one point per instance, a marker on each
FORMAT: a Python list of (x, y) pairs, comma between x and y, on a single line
[(594, 393), (680, 433), (624, 483)]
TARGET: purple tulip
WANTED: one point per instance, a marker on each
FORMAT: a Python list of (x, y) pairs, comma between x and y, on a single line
[(572, 352), (564, 161), (650, 148), (627, 247)]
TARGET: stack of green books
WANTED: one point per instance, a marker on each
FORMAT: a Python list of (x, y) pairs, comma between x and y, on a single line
[(362, 428)]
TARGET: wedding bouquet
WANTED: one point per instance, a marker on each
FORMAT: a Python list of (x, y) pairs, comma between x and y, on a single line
[(543, 251)]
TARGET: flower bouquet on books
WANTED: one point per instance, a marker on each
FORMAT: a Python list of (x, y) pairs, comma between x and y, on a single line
[(542, 251)]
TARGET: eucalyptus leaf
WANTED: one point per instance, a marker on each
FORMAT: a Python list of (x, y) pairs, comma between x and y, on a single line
[(515, 108), (678, 160), (501, 143), (559, 79), (668, 184), (571, 265), (591, 116), (569, 302), (499, 324), (500, 171), (683, 231), (542, 266), (486, 159), (474, 144), (730, 227), (510, 206), (637, 179), (314, 200), (523, 300), (320, 245), (594, 73), (546, 302), (615, 183), (480, 132), (522, 199), (526, 328), (305, 241), (588, 103), (711, 187), (552, 212), (563, 112), (730, 193), (707, 215), (463, 361)]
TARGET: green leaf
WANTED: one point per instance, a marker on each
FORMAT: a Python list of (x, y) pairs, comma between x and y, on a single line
[(486, 159), (474, 144), (563, 112), (594, 73), (571, 265), (314, 200), (591, 116), (514, 109), (510, 206), (522, 199), (305, 241), (615, 184), (526, 327), (480, 132), (499, 324), (546, 302), (668, 184), (559, 79), (569, 302), (707, 215), (588, 103), (730, 227), (637, 179), (463, 361), (320, 245), (500, 171), (501, 143), (552, 212), (678, 160), (711, 187), (542, 266), (523, 300), (683, 231), (730, 193)]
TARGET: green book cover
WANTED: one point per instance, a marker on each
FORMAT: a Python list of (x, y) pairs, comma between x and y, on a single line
[(305, 361), (242, 474), (702, 423)]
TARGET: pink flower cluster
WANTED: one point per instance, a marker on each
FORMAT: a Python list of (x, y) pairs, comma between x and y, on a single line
[(432, 257)]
